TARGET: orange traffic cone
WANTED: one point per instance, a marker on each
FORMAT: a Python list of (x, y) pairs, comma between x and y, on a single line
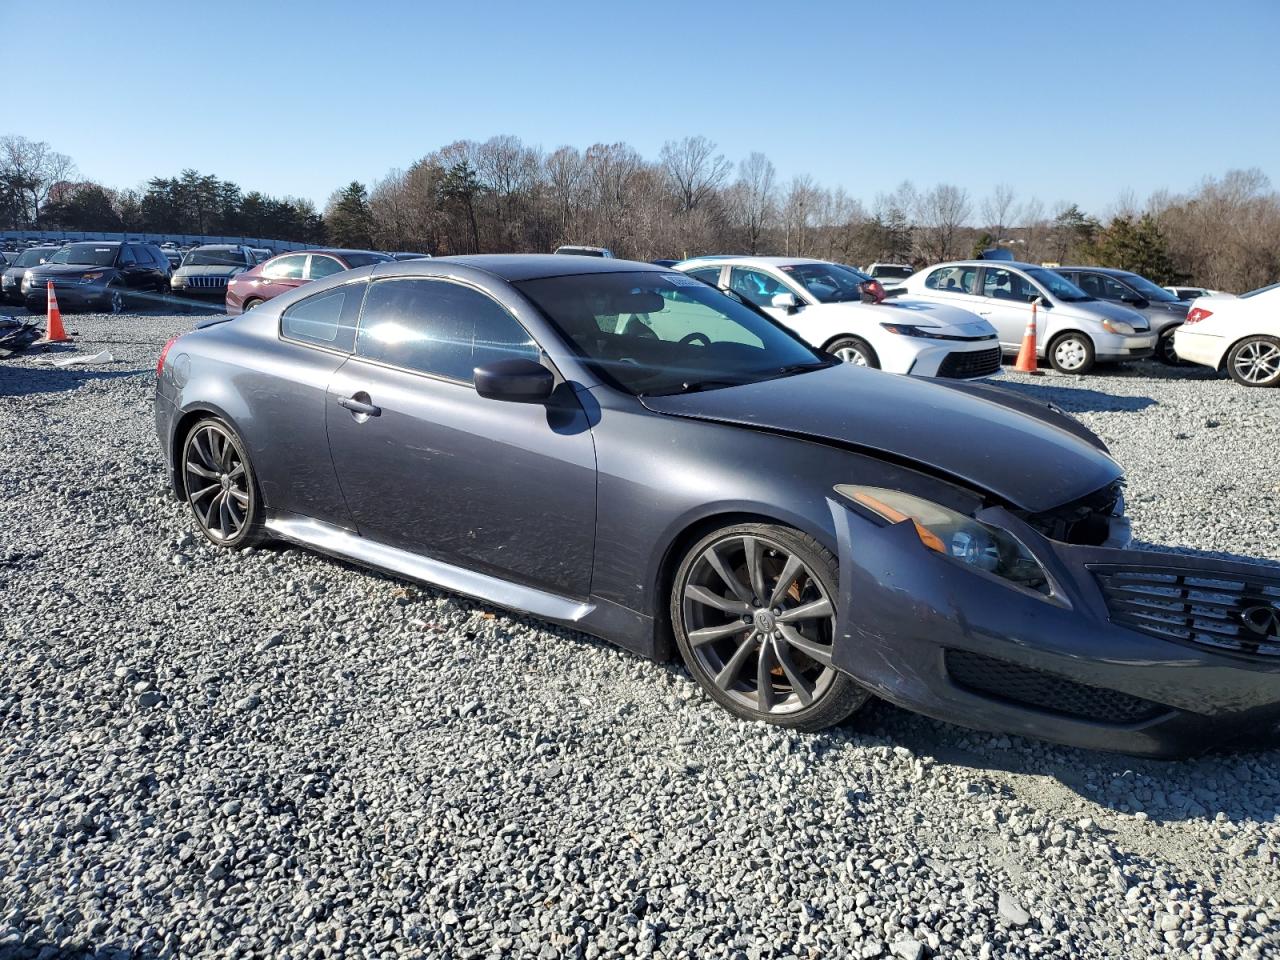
[(1027, 355), (53, 331)]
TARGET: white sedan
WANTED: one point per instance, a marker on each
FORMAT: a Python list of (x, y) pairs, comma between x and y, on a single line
[(834, 307), (1239, 334)]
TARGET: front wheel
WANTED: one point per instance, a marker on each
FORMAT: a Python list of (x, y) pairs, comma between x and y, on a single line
[(1165, 352), (220, 486), (854, 350), (1255, 362), (1071, 353), (115, 300), (754, 616)]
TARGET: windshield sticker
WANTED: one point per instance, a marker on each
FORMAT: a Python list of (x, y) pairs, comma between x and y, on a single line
[(680, 280)]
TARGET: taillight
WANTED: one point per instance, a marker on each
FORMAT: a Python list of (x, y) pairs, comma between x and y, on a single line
[(164, 353), (1197, 314)]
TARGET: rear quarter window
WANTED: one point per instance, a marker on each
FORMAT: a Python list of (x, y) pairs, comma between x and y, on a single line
[(326, 319)]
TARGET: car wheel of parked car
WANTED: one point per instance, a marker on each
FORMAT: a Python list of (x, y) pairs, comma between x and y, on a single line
[(854, 350), (115, 301), (250, 304), (754, 618), (1071, 353), (220, 486), (1165, 352), (1255, 362)]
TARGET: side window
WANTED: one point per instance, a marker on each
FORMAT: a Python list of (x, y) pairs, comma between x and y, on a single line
[(710, 274), (328, 319), (323, 267), (754, 286), (127, 259), (285, 268), (438, 327), (953, 279), (1006, 285)]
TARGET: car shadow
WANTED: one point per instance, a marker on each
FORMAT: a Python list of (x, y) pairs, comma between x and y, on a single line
[(1077, 399), (25, 381)]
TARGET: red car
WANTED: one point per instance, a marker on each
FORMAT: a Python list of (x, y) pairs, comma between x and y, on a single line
[(285, 271)]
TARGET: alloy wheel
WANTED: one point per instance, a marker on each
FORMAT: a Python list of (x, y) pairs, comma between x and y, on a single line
[(852, 355), (217, 482), (760, 624), (1257, 361), (117, 301)]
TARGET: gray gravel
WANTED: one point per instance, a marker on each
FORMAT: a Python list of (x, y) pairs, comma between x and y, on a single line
[(272, 754)]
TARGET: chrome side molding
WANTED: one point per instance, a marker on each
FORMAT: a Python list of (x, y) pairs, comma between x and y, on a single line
[(337, 542)]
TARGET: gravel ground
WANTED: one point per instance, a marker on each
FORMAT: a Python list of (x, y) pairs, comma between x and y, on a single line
[(272, 754)]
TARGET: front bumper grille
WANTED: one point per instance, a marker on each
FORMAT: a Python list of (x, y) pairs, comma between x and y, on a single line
[(202, 283), (1048, 692), (962, 365), (1232, 613)]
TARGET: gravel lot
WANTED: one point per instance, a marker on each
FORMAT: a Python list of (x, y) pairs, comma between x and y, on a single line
[(272, 754)]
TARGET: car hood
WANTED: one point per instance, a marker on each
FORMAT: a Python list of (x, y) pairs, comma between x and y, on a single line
[(1102, 310), (951, 320), (1023, 459), (209, 270), (63, 269)]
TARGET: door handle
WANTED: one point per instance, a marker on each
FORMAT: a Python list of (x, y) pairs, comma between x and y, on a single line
[(984, 313), (360, 406)]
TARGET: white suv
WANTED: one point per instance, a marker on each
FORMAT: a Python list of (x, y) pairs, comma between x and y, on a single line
[(827, 305), (1073, 329)]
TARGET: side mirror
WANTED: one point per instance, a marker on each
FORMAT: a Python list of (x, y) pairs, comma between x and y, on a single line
[(1138, 303), (785, 301), (517, 380)]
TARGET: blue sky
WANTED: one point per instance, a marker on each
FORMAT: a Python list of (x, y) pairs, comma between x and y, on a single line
[(1065, 101)]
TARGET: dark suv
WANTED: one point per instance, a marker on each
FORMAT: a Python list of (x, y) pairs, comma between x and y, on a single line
[(107, 275), (20, 263)]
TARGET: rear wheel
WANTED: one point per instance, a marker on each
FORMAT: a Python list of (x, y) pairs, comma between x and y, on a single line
[(220, 486), (754, 617), (1164, 350), (1071, 353), (1255, 362), (854, 350)]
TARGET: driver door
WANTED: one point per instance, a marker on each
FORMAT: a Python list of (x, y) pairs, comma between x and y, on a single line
[(757, 287)]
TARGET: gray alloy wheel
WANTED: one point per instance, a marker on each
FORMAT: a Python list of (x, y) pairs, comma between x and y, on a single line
[(250, 304), (1165, 352), (853, 350), (1071, 353), (116, 303), (1255, 362), (755, 620), (220, 487)]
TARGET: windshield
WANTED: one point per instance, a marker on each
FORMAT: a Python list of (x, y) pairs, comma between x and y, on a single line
[(1058, 286), (213, 257), (891, 273), (364, 259), (33, 257), (657, 333), (86, 254), (1148, 289), (826, 282)]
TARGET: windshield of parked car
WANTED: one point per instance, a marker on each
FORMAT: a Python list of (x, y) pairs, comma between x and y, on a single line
[(34, 257), (86, 254), (213, 257), (826, 282), (662, 333), (891, 273), (1060, 287), (364, 259), (1147, 289)]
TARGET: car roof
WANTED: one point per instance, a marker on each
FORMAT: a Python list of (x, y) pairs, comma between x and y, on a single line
[(740, 259), (1110, 271), (529, 266), (219, 246), (98, 243), (998, 264)]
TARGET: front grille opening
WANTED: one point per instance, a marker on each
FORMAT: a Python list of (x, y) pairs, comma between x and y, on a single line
[(1022, 686), (970, 363), (1233, 614)]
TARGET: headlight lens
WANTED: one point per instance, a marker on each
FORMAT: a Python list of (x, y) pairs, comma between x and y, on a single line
[(955, 536), (91, 277), (1118, 326), (910, 330)]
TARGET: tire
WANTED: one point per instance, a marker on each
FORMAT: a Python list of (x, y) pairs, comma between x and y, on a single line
[(1255, 361), (719, 627), (250, 304), (1165, 352), (220, 487), (115, 300), (1071, 353), (855, 350)]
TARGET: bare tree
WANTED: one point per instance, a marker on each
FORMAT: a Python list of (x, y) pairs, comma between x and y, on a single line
[(940, 214), (754, 198), (997, 210), (30, 169), (694, 169)]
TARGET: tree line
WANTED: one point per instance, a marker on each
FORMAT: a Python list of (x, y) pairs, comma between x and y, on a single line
[(503, 195)]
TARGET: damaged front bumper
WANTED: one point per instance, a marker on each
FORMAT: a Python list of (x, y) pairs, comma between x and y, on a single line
[(1142, 652)]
